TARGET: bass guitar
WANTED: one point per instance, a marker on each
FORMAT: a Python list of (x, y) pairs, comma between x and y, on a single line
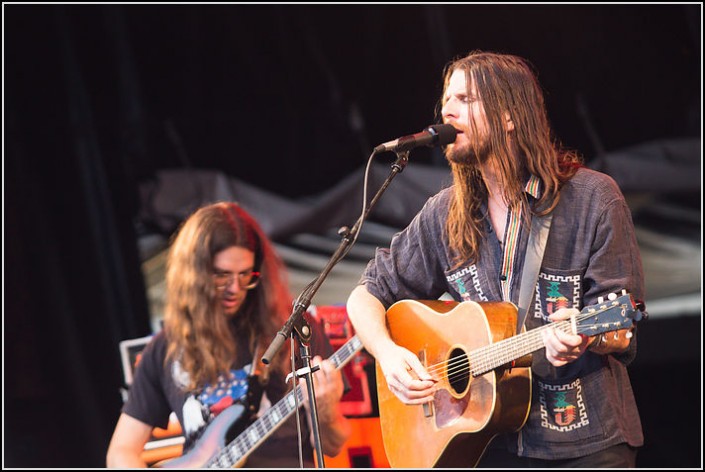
[(212, 448), (483, 373)]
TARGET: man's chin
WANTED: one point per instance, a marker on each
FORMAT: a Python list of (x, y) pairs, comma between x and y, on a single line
[(460, 156), (466, 156), (230, 309)]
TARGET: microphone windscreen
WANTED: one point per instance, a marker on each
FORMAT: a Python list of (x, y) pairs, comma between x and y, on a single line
[(446, 133)]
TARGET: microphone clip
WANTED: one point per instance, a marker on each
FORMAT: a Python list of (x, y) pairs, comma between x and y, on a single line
[(401, 161)]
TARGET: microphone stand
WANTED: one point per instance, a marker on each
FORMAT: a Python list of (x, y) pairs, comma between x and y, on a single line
[(298, 323)]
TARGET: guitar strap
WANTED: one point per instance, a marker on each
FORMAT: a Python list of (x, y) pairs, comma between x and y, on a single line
[(540, 225)]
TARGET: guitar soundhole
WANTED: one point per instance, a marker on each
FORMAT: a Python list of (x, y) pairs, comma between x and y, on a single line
[(458, 371)]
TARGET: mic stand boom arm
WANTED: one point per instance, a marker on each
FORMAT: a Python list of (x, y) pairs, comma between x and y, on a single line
[(297, 322)]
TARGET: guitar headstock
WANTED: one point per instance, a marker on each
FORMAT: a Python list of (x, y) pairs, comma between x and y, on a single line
[(615, 313)]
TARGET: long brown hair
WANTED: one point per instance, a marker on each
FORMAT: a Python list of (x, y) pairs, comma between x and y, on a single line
[(505, 84), (200, 335)]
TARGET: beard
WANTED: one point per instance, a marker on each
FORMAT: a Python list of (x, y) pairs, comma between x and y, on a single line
[(467, 155)]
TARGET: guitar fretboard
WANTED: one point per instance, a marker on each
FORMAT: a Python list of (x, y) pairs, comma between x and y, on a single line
[(501, 353)]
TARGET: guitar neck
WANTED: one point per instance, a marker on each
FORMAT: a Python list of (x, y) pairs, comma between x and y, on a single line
[(494, 355), (619, 312), (265, 425)]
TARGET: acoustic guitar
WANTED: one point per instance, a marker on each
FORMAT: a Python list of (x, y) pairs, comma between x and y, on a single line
[(484, 375)]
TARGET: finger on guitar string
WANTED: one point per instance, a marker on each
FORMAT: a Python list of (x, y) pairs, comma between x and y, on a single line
[(563, 314), (568, 340), (563, 348), (417, 371), (410, 390), (411, 396)]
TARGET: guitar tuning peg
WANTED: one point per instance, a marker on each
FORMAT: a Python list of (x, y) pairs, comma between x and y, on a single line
[(616, 335), (600, 299), (612, 296), (624, 291), (628, 335)]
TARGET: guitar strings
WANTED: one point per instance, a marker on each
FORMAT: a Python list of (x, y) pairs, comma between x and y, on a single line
[(485, 359), (458, 367), (491, 356)]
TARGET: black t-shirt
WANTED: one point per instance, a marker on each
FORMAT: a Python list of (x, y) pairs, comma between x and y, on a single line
[(157, 391)]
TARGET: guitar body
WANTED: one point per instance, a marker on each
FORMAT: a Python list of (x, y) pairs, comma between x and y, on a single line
[(214, 438), (467, 412)]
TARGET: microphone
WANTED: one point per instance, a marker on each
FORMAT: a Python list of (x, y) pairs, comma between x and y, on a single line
[(432, 136)]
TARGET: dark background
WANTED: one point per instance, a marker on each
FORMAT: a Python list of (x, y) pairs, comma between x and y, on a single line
[(97, 98)]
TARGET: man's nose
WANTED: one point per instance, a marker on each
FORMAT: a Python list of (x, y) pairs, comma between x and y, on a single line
[(233, 286), (449, 111)]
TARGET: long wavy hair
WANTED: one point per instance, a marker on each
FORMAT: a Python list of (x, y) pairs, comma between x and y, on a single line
[(505, 84), (200, 336)]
